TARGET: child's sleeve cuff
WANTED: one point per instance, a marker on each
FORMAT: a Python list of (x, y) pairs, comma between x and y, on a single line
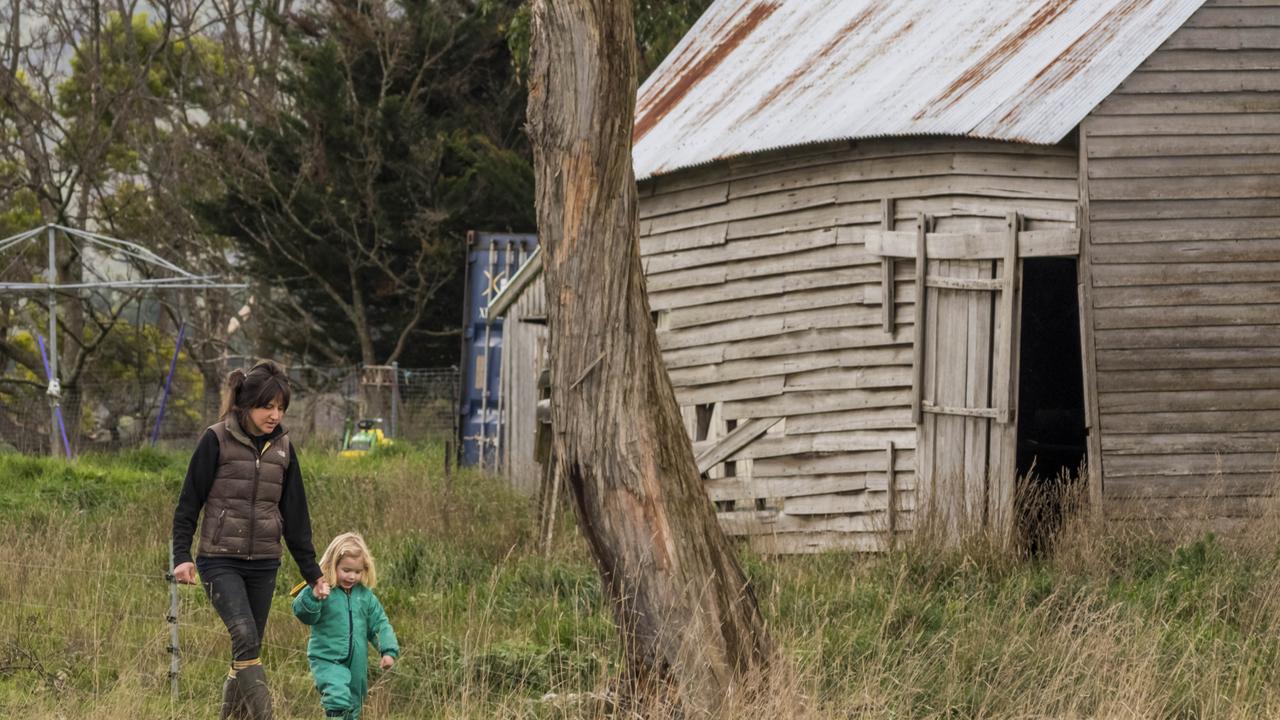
[(305, 602)]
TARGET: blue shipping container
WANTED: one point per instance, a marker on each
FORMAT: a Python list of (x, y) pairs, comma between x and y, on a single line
[(492, 258)]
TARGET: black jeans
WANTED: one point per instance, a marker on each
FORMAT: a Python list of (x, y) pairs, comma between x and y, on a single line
[(240, 591)]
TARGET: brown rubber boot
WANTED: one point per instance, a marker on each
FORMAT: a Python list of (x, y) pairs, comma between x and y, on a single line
[(232, 702), (254, 692)]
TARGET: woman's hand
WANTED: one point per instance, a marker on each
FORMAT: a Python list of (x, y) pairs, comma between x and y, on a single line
[(185, 573), (387, 662), (321, 589)]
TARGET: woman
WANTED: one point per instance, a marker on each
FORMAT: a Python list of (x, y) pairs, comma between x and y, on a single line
[(244, 476)]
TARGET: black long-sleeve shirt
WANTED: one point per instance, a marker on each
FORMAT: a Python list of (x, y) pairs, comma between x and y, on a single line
[(293, 506)]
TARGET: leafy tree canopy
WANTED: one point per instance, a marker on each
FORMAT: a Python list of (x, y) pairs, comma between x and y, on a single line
[(397, 128)]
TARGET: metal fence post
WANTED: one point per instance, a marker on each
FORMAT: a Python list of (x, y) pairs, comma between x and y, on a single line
[(395, 397), (172, 619), (51, 364)]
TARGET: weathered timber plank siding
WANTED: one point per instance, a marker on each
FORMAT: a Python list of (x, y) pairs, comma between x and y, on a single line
[(1183, 186), (768, 305), (524, 350)]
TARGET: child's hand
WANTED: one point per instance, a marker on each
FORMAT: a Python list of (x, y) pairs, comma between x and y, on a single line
[(387, 662), (321, 589)]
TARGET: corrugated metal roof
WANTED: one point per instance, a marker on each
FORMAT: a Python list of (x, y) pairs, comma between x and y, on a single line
[(756, 75)]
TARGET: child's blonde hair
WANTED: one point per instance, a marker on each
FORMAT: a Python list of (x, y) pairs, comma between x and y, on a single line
[(348, 544)]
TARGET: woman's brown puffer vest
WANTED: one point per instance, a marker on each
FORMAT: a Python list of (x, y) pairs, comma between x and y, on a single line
[(242, 513)]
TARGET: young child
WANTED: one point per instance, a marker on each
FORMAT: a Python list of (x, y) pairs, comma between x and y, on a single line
[(342, 624)]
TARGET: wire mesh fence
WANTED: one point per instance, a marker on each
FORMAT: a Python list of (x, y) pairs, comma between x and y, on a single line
[(133, 409), (146, 643), (161, 641)]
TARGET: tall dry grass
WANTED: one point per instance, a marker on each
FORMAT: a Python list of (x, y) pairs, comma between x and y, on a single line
[(1113, 620)]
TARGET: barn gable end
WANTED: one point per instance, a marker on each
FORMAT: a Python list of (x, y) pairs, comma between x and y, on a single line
[(1182, 191)]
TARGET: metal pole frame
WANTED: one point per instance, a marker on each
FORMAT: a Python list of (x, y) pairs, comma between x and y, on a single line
[(168, 382), (54, 390), (182, 280), (57, 426)]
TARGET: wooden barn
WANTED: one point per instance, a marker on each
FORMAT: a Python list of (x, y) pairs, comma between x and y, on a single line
[(899, 251), (521, 304)]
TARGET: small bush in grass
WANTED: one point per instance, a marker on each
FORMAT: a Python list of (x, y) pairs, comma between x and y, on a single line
[(529, 668)]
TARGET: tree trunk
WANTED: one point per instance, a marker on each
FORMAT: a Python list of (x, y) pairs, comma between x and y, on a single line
[(214, 372), (360, 319), (687, 617)]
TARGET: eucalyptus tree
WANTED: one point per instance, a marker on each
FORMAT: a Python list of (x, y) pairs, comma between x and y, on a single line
[(689, 623)]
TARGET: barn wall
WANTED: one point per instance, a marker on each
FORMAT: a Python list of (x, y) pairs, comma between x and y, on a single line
[(1183, 187), (524, 350), (768, 305)]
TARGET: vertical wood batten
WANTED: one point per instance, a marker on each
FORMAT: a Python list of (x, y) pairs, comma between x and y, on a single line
[(922, 305), (886, 270), (891, 482), (1088, 347), (1004, 402)]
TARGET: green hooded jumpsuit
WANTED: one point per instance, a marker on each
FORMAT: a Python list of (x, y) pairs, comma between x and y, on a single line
[(341, 625)]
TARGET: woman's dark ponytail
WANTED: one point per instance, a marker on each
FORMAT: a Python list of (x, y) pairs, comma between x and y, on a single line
[(230, 395)]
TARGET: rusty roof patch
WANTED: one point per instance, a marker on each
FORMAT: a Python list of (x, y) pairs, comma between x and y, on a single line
[(995, 58), (804, 71), (699, 70), (1076, 57), (755, 76)]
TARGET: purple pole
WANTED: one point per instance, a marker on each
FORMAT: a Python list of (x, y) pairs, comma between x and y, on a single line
[(168, 382), (57, 409)]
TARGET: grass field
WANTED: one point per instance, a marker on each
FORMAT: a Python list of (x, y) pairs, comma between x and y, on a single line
[(1116, 626)]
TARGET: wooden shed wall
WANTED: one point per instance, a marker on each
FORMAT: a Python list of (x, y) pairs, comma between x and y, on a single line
[(768, 305), (1183, 254), (524, 337)]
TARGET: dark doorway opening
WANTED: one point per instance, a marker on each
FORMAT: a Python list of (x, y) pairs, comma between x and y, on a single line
[(1051, 431)]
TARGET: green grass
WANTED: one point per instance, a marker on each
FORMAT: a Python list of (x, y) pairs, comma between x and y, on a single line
[(1112, 626)]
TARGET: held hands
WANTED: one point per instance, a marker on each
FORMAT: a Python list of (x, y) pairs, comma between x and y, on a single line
[(185, 573), (321, 589), (387, 662)]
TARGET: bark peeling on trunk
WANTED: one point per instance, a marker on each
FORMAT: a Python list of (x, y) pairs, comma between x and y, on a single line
[(687, 617)]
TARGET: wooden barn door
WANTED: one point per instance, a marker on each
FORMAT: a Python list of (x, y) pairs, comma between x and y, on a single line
[(965, 363), (965, 389)]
